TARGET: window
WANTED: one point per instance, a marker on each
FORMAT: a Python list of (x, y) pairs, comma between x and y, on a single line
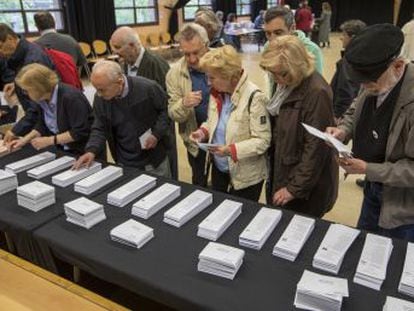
[(19, 13), (192, 6), (272, 3), (136, 12), (243, 7)]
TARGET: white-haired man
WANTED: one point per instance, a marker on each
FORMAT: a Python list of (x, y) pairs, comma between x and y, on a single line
[(140, 62), (128, 109), (188, 92)]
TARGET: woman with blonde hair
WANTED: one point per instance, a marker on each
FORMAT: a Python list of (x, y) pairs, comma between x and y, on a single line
[(304, 172), (237, 126), (66, 115)]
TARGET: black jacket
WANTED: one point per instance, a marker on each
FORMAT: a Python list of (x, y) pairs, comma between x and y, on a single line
[(144, 107), (74, 114), (27, 53), (152, 67), (344, 90)]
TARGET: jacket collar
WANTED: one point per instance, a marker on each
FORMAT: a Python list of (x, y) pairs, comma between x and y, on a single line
[(299, 92), (19, 54), (235, 97)]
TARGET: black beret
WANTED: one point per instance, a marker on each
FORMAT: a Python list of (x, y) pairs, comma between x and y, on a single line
[(369, 54)]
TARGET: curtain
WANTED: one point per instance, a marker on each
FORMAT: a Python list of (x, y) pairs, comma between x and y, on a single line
[(406, 12), (173, 22), (257, 5), (87, 27), (227, 6), (371, 12)]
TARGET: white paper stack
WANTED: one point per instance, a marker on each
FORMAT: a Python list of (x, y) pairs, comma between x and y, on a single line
[(319, 292), (372, 266), (186, 209), (69, 177), (51, 167), (28, 163), (214, 225), (260, 228), (8, 181), (84, 212), (35, 196), (156, 200), (396, 304), (333, 248), (98, 180), (294, 237), (406, 285), (220, 260), (132, 233), (131, 190)]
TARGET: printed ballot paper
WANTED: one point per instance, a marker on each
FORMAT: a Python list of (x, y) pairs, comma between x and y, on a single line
[(343, 150)]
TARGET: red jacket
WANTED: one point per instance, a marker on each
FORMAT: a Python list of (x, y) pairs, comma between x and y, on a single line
[(304, 19)]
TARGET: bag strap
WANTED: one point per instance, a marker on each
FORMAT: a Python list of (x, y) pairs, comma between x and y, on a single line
[(251, 99)]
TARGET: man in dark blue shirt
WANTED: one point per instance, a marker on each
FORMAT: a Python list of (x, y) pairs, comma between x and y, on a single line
[(20, 52)]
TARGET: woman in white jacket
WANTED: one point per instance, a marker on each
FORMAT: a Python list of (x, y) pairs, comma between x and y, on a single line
[(237, 125)]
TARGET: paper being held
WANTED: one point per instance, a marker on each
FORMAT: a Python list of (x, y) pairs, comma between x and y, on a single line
[(342, 149)]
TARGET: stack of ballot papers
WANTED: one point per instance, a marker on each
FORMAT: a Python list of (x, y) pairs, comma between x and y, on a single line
[(333, 248), (396, 304), (186, 209), (319, 292), (84, 212), (35, 196), (28, 163), (132, 190), (8, 181), (156, 200), (51, 167), (132, 233), (372, 266), (295, 236), (220, 260), (406, 285), (214, 225), (260, 228), (71, 176), (98, 180)]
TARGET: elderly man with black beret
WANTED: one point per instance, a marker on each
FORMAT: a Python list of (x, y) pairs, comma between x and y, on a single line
[(381, 123)]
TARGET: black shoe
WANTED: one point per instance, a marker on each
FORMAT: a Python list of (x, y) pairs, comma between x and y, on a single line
[(360, 182)]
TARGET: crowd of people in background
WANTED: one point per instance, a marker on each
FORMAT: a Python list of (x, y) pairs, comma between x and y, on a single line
[(246, 138)]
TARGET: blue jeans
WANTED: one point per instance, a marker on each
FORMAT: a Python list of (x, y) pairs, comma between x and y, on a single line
[(370, 212)]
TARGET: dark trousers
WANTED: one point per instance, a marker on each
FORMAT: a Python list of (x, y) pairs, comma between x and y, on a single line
[(221, 182), (172, 153), (370, 212), (198, 165)]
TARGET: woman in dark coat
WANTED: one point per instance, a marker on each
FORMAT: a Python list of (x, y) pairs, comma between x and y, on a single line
[(66, 115), (304, 175)]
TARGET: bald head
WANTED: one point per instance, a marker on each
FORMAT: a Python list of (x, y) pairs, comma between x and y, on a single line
[(126, 43), (107, 78)]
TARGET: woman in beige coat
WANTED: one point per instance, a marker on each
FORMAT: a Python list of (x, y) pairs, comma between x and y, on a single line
[(237, 126)]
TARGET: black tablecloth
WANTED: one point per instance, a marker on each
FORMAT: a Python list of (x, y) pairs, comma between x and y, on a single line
[(19, 222), (165, 269)]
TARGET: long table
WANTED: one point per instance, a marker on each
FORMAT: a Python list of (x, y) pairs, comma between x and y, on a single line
[(165, 269)]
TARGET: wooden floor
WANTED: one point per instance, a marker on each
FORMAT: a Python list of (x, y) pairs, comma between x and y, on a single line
[(348, 205), (24, 286)]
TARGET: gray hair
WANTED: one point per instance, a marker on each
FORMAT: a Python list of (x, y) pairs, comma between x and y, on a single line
[(209, 18), (353, 27), (111, 69), (191, 30), (128, 35), (282, 12)]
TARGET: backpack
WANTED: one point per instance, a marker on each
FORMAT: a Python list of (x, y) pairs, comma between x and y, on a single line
[(65, 67)]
